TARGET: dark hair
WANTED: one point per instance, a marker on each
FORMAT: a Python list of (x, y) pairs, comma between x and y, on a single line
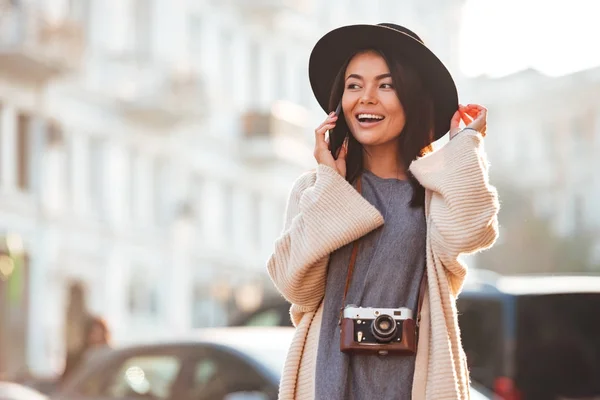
[(417, 135)]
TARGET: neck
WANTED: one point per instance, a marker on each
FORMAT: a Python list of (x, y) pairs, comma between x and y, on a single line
[(384, 161)]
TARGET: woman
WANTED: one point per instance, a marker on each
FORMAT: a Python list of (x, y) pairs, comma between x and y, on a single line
[(96, 338), (411, 212)]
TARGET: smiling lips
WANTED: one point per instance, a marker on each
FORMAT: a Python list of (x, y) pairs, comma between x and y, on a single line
[(369, 120)]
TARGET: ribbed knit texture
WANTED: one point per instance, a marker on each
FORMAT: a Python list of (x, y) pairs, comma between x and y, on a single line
[(324, 213)]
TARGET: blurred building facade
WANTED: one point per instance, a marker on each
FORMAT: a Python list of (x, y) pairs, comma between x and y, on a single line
[(147, 151), (544, 141), (147, 148), (140, 171)]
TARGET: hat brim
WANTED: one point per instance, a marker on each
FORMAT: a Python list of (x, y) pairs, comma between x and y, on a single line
[(334, 49)]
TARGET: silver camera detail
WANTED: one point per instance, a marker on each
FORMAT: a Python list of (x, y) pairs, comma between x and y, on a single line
[(377, 325), (355, 312)]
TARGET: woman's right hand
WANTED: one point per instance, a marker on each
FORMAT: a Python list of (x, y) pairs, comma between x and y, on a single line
[(322, 153)]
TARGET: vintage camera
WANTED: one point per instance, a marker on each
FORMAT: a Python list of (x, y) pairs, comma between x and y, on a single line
[(379, 331)]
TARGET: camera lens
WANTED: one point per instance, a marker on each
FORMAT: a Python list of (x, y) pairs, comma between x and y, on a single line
[(384, 328)]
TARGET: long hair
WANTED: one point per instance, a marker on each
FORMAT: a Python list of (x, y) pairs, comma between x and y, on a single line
[(416, 136)]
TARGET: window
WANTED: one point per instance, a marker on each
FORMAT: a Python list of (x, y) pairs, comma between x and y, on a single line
[(143, 376), (596, 127), (305, 95), (557, 348), (195, 34), (480, 321), (54, 173), (280, 76), (96, 175), (68, 167), (254, 219), (207, 310), (79, 10), (2, 137), (142, 296), (142, 25), (551, 139), (578, 135), (23, 151), (227, 211), (254, 74), (271, 317), (222, 375), (578, 213), (133, 186), (161, 190), (225, 62), (279, 216), (150, 376), (197, 199)]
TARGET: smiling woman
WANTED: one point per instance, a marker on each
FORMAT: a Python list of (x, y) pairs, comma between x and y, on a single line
[(370, 93), (369, 254)]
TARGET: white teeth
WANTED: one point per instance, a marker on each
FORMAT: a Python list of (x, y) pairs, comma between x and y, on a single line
[(370, 116)]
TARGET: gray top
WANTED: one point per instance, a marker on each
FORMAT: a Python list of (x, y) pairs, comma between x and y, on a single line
[(387, 274)]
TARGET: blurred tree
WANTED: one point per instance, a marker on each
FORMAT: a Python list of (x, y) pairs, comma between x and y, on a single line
[(528, 244)]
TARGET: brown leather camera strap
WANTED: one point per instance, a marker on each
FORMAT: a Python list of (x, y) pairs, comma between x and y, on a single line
[(353, 256)]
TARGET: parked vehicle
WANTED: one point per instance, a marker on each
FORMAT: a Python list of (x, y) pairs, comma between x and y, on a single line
[(211, 364), (214, 364), (274, 311), (526, 337), (14, 391), (533, 337)]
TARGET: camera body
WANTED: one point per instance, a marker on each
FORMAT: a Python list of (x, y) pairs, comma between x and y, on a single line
[(379, 331)]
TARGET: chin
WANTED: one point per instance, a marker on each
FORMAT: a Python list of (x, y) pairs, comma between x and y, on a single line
[(369, 138)]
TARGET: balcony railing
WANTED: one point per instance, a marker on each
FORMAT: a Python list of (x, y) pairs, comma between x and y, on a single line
[(36, 48), (148, 92), (278, 134), (265, 5)]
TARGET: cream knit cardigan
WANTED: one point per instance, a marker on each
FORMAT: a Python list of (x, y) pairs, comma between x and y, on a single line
[(325, 212)]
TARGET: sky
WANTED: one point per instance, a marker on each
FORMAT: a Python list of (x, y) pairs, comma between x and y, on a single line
[(556, 37)]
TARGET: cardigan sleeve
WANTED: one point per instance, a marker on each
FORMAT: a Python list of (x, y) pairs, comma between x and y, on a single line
[(463, 207), (324, 212)]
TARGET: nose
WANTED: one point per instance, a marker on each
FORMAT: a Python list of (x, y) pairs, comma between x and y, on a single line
[(368, 95)]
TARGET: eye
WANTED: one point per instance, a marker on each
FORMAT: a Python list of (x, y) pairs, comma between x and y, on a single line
[(352, 86), (387, 86)]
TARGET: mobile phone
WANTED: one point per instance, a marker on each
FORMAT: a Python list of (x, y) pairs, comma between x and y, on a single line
[(338, 109)]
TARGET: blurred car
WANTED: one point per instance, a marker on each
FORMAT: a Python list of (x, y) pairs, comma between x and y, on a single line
[(533, 337), (526, 337), (214, 364), (273, 311), (14, 391), (211, 364)]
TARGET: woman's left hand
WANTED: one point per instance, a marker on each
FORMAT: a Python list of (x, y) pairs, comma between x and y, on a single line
[(473, 115)]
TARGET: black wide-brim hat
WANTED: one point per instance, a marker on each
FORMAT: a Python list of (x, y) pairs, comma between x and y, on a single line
[(336, 47)]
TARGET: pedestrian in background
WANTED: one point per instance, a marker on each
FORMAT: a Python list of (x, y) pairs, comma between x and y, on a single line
[(96, 338), (381, 224)]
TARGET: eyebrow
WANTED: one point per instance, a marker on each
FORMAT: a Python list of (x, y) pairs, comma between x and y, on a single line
[(377, 78)]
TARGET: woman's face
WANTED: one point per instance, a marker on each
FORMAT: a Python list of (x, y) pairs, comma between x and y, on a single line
[(371, 106)]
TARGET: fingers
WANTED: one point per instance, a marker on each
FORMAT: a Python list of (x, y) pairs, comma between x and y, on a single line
[(472, 110), (343, 150), (327, 125), (455, 121), (340, 162), (465, 118), (342, 154), (474, 116)]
